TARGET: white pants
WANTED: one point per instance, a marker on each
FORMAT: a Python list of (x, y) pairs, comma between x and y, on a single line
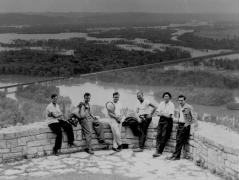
[(116, 131)]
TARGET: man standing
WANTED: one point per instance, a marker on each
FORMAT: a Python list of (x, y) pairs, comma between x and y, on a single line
[(115, 118), (56, 122), (187, 116), (87, 121), (144, 113), (165, 111)]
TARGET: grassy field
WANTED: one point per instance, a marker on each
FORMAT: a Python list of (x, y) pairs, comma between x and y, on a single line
[(218, 34)]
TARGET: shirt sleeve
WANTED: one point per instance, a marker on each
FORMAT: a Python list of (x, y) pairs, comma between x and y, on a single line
[(171, 108)]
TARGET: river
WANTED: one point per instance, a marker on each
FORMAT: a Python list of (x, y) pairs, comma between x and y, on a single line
[(102, 92)]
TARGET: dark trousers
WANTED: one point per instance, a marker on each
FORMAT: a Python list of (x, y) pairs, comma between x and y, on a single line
[(87, 125), (164, 130), (143, 128), (56, 129), (183, 134)]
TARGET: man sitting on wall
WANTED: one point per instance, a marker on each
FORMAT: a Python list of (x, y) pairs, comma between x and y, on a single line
[(87, 121), (56, 122)]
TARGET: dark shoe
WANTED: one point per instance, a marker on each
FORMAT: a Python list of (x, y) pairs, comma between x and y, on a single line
[(115, 149), (72, 145), (156, 154), (90, 151), (173, 158), (56, 152), (138, 150), (119, 147)]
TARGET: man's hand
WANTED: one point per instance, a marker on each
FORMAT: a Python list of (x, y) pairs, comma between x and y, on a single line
[(148, 116)]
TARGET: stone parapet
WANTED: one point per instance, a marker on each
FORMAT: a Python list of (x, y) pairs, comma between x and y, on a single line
[(35, 140)]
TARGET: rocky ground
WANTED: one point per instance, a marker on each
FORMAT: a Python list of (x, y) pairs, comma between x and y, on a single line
[(106, 165)]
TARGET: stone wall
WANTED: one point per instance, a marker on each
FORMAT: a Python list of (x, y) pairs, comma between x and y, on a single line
[(219, 156), (36, 140)]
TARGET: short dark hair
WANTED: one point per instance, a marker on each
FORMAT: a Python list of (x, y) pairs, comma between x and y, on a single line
[(53, 96), (182, 96), (167, 93), (86, 94), (115, 93)]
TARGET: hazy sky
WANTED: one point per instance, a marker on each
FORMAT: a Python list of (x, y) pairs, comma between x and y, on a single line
[(189, 6)]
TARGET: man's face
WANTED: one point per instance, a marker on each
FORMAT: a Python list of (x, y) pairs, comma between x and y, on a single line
[(116, 98), (140, 97), (181, 101), (166, 98), (54, 100), (87, 99)]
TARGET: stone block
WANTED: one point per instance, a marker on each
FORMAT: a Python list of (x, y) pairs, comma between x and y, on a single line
[(8, 156), (22, 141), (34, 150), (12, 143), (9, 136), (22, 134), (30, 138), (41, 136), (44, 130), (3, 144), (38, 143), (1, 136), (33, 132), (51, 136), (2, 151), (16, 149)]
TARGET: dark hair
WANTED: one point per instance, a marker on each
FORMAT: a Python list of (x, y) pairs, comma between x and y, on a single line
[(53, 95), (182, 96), (167, 93), (115, 93), (86, 94)]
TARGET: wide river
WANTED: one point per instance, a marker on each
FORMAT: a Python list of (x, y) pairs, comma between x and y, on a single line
[(102, 92)]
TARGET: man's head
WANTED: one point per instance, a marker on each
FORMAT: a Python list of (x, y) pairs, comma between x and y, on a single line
[(140, 96), (54, 98), (87, 97), (116, 96), (181, 100), (167, 96)]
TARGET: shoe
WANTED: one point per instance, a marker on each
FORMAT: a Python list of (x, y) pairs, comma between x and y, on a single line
[(138, 150), (156, 154), (90, 151), (119, 147), (56, 152), (72, 145), (115, 149), (173, 158)]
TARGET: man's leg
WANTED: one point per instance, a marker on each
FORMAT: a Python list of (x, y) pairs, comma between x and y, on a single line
[(69, 131), (181, 139), (160, 128), (116, 131), (144, 129), (56, 129), (87, 132), (98, 127), (166, 133)]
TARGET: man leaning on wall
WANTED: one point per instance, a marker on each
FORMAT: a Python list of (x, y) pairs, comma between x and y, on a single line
[(186, 118)]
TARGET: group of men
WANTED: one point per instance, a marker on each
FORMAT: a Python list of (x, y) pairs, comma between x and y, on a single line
[(141, 121)]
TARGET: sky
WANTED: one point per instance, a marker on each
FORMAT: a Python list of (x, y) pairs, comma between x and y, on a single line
[(156, 6)]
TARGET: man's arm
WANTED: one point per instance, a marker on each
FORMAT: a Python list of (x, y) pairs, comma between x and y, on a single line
[(153, 111), (82, 112)]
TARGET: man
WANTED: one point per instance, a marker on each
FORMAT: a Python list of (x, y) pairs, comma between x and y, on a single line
[(115, 118), (186, 118), (165, 111), (56, 122), (144, 111), (87, 121)]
